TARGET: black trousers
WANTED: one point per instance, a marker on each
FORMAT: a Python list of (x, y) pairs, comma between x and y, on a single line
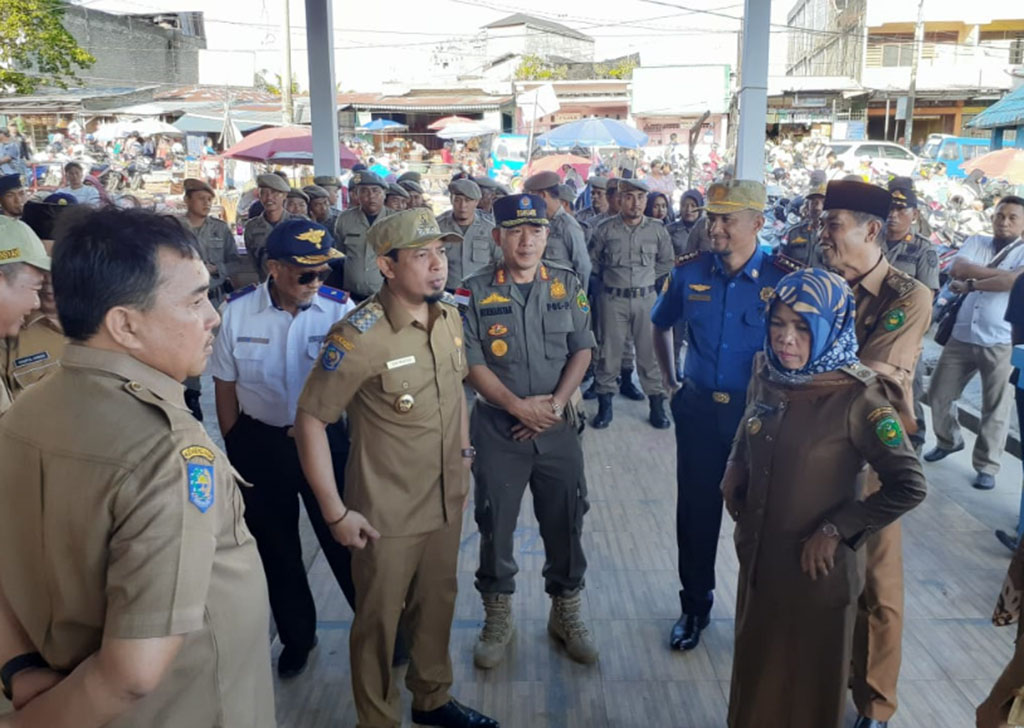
[(268, 458), (704, 433)]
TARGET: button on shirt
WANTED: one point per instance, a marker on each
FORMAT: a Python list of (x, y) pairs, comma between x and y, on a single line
[(268, 353), (725, 315), (476, 250), (981, 319)]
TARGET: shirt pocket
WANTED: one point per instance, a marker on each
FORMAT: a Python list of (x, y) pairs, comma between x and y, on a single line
[(501, 342), (648, 253), (755, 318), (481, 250), (556, 248), (251, 360), (405, 389), (556, 335)]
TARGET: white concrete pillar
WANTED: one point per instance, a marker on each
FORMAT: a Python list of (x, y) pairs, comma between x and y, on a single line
[(753, 97), (323, 97)]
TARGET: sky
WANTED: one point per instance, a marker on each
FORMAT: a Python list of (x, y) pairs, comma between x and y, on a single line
[(391, 41)]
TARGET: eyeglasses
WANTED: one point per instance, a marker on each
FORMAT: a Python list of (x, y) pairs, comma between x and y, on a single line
[(314, 275)]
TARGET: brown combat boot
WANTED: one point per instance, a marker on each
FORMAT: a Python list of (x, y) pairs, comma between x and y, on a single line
[(565, 625), (497, 632)]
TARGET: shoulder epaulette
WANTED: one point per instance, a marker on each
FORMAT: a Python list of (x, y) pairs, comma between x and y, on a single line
[(486, 271), (900, 282), (687, 257), (861, 373), (366, 315), (333, 294), (786, 263), (235, 295)]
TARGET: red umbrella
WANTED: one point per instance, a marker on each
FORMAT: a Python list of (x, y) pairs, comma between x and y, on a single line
[(281, 143), (442, 123), (554, 162)]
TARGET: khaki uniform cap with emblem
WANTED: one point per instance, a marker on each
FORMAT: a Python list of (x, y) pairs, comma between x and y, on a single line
[(406, 230), (272, 182), (193, 185), (19, 244), (315, 192), (541, 181), (734, 195), (466, 188), (326, 181)]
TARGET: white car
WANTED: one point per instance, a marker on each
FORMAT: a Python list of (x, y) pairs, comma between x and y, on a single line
[(884, 156)]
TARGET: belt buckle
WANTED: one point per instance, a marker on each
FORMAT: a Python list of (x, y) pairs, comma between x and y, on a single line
[(720, 397)]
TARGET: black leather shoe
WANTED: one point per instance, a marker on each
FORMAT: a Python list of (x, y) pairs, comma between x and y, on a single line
[(1008, 540), (686, 631), (658, 418), (934, 456), (591, 391), (864, 722), (626, 387), (603, 418), (453, 714), (293, 661)]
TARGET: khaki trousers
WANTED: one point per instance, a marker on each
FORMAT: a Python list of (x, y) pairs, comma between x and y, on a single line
[(412, 579), (959, 362), (878, 632), (619, 318)]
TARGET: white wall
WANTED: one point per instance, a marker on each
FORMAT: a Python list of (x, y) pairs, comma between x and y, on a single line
[(975, 12)]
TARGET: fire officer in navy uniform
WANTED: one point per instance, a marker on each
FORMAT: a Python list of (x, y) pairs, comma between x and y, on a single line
[(528, 343), (269, 340), (722, 295)]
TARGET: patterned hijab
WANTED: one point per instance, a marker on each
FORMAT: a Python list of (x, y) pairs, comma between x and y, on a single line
[(826, 304)]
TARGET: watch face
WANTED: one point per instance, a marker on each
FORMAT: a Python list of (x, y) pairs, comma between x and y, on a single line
[(830, 530)]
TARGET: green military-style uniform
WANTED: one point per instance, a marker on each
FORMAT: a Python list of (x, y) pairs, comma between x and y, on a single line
[(217, 247), (915, 255), (567, 244), (476, 251), (802, 245), (524, 334), (362, 276), (255, 236)]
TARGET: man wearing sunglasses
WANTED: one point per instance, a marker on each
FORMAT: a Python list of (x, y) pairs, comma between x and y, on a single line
[(270, 337)]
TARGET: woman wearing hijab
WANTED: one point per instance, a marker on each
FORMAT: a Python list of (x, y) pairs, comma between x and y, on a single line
[(658, 207), (684, 239), (815, 415)]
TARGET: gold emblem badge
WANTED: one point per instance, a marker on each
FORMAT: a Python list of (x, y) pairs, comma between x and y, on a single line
[(767, 294), (494, 298), (404, 403), (699, 287), (720, 397), (499, 347), (312, 236), (558, 291), (754, 425)]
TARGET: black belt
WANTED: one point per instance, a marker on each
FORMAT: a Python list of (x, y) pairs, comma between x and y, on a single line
[(260, 423), (631, 292), (716, 396)]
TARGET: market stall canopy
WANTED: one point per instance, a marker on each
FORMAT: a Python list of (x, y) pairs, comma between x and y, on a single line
[(383, 125), (202, 124), (347, 157), (261, 145), (143, 127), (463, 130), (445, 121), (593, 133), (1007, 164)]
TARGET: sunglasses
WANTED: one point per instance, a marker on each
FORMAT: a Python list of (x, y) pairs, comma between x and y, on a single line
[(314, 275)]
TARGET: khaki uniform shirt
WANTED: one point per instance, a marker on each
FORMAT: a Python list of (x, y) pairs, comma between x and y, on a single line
[(362, 276), (5, 397), (35, 353), (893, 313), (802, 245), (120, 518), (217, 247), (401, 386), (477, 249), (526, 342), (631, 256), (255, 237), (567, 244), (914, 255)]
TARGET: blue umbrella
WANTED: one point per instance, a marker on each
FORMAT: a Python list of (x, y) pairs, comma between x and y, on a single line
[(593, 133), (382, 125)]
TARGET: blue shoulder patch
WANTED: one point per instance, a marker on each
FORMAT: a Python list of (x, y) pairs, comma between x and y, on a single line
[(200, 486), (334, 294), (235, 295)]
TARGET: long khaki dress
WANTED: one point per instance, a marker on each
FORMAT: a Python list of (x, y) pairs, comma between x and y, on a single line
[(799, 457)]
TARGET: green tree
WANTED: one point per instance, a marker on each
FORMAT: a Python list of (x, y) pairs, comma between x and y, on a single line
[(35, 48), (534, 68), (275, 85)]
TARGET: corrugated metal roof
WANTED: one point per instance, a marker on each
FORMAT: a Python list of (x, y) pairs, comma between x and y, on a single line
[(524, 19), (1007, 112), (425, 101)]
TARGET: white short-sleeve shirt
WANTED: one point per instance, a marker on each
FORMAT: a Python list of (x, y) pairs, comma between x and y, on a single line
[(86, 195), (981, 320)]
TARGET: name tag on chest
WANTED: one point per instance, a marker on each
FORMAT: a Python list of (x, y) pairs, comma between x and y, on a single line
[(252, 340), (403, 362)]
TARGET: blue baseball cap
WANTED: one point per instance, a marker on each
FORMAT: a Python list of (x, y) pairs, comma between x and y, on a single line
[(60, 198), (515, 210), (301, 242), (10, 182)]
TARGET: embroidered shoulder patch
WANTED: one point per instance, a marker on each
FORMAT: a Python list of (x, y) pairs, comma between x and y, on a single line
[(333, 294), (197, 451), (334, 351), (199, 471), (582, 303), (365, 316), (888, 430), (894, 319)]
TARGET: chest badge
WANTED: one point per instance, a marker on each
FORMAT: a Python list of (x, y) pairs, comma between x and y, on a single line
[(558, 291), (405, 403), (499, 347), (497, 330), (894, 319), (494, 298), (754, 425), (699, 287), (767, 294)]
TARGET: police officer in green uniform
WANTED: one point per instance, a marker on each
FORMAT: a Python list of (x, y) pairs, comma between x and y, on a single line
[(914, 254), (566, 242), (631, 251), (488, 192), (598, 201), (272, 194), (329, 184), (362, 277), (801, 240), (319, 205), (528, 343), (477, 248), (412, 182)]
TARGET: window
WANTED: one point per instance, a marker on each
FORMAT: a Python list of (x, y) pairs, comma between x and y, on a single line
[(974, 150), (950, 151), (840, 148), (896, 153), (867, 150)]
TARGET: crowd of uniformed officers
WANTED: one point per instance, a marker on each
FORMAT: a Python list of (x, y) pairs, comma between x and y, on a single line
[(138, 561)]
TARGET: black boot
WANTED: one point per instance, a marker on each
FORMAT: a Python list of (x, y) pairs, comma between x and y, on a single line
[(626, 387), (604, 412), (591, 391), (658, 417)]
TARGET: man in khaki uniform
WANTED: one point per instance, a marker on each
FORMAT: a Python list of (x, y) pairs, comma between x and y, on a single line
[(362, 277), (488, 194), (319, 206), (893, 314), (329, 184), (801, 241), (272, 193), (396, 364), (296, 202), (216, 241), (162, 616), (566, 242), (23, 265), (412, 183), (598, 200), (477, 249), (528, 343), (631, 251), (397, 198)]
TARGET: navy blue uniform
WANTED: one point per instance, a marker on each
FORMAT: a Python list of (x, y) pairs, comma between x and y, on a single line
[(725, 318)]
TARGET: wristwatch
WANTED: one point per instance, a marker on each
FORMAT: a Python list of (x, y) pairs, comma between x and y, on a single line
[(556, 407), (469, 452), (28, 661), (829, 529), (970, 284)]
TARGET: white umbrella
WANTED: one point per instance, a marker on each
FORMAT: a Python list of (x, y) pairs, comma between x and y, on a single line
[(153, 127), (466, 130)]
